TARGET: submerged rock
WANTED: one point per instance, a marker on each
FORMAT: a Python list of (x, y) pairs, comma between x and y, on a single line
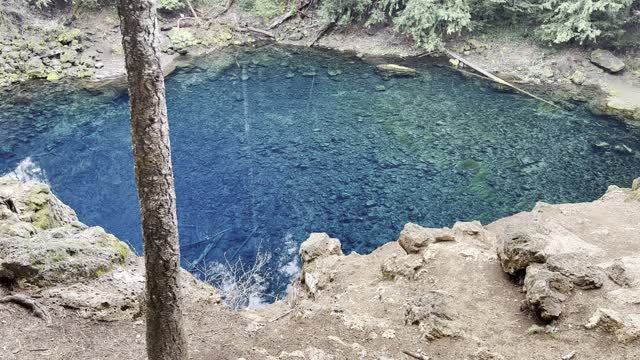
[(606, 60), (393, 70)]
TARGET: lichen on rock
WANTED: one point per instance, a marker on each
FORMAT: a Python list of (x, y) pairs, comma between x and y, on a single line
[(43, 245)]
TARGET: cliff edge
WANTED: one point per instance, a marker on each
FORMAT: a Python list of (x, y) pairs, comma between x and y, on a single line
[(559, 282)]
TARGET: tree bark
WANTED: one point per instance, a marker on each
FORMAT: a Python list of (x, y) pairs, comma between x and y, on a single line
[(154, 178)]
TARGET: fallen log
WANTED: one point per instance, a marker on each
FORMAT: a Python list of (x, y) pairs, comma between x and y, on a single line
[(255, 30), (321, 32), (282, 18), (497, 79)]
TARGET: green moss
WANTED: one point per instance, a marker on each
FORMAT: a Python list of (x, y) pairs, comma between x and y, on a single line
[(264, 8), (308, 268), (102, 270), (38, 202), (535, 329), (182, 38), (59, 257), (68, 37), (122, 250), (53, 76)]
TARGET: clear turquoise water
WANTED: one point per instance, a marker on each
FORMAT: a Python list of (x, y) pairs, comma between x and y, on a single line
[(272, 147)]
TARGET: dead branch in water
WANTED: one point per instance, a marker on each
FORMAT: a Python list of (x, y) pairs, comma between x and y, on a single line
[(282, 18), (469, 73), (496, 79), (255, 30), (27, 302)]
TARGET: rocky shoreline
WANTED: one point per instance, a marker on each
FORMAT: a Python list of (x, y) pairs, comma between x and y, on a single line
[(544, 282), (91, 52)]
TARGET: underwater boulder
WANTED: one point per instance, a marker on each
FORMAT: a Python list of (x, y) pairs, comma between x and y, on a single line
[(393, 70)]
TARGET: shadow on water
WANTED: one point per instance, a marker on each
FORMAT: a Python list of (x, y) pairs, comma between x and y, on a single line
[(272, 144)]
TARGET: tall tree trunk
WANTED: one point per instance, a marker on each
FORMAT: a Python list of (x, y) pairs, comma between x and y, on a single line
[(154, 178)]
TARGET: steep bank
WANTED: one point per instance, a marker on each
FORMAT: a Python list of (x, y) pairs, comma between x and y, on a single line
[(559, 281)]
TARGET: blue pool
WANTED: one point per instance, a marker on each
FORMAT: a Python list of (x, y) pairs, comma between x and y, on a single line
[(274, 143)]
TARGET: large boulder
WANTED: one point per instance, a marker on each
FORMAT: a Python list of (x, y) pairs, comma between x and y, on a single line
[(606, 60), (625, 327), (319, 245), (61, 255), (546, 291), (432, 313), (414, 238), (43, 246), (32, 204)]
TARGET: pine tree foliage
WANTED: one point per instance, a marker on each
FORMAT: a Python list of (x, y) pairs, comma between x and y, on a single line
[(429, 22), (582, 20)]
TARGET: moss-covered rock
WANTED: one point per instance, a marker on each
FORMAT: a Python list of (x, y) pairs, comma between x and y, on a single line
[(69, 36), (182, 39), (53, 76), (578, 77), (82, 268), (34, 68)]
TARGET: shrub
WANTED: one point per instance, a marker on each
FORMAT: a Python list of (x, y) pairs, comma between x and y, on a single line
[(182, 38), (241, 286), (428, 22), (265, 8), (170, 5)]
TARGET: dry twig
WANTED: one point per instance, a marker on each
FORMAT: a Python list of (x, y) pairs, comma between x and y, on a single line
[(415, 355)]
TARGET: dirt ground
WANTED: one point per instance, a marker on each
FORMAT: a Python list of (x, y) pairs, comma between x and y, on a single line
[(364, 306)]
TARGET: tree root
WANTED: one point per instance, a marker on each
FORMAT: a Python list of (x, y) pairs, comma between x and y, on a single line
[(29, 303)]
